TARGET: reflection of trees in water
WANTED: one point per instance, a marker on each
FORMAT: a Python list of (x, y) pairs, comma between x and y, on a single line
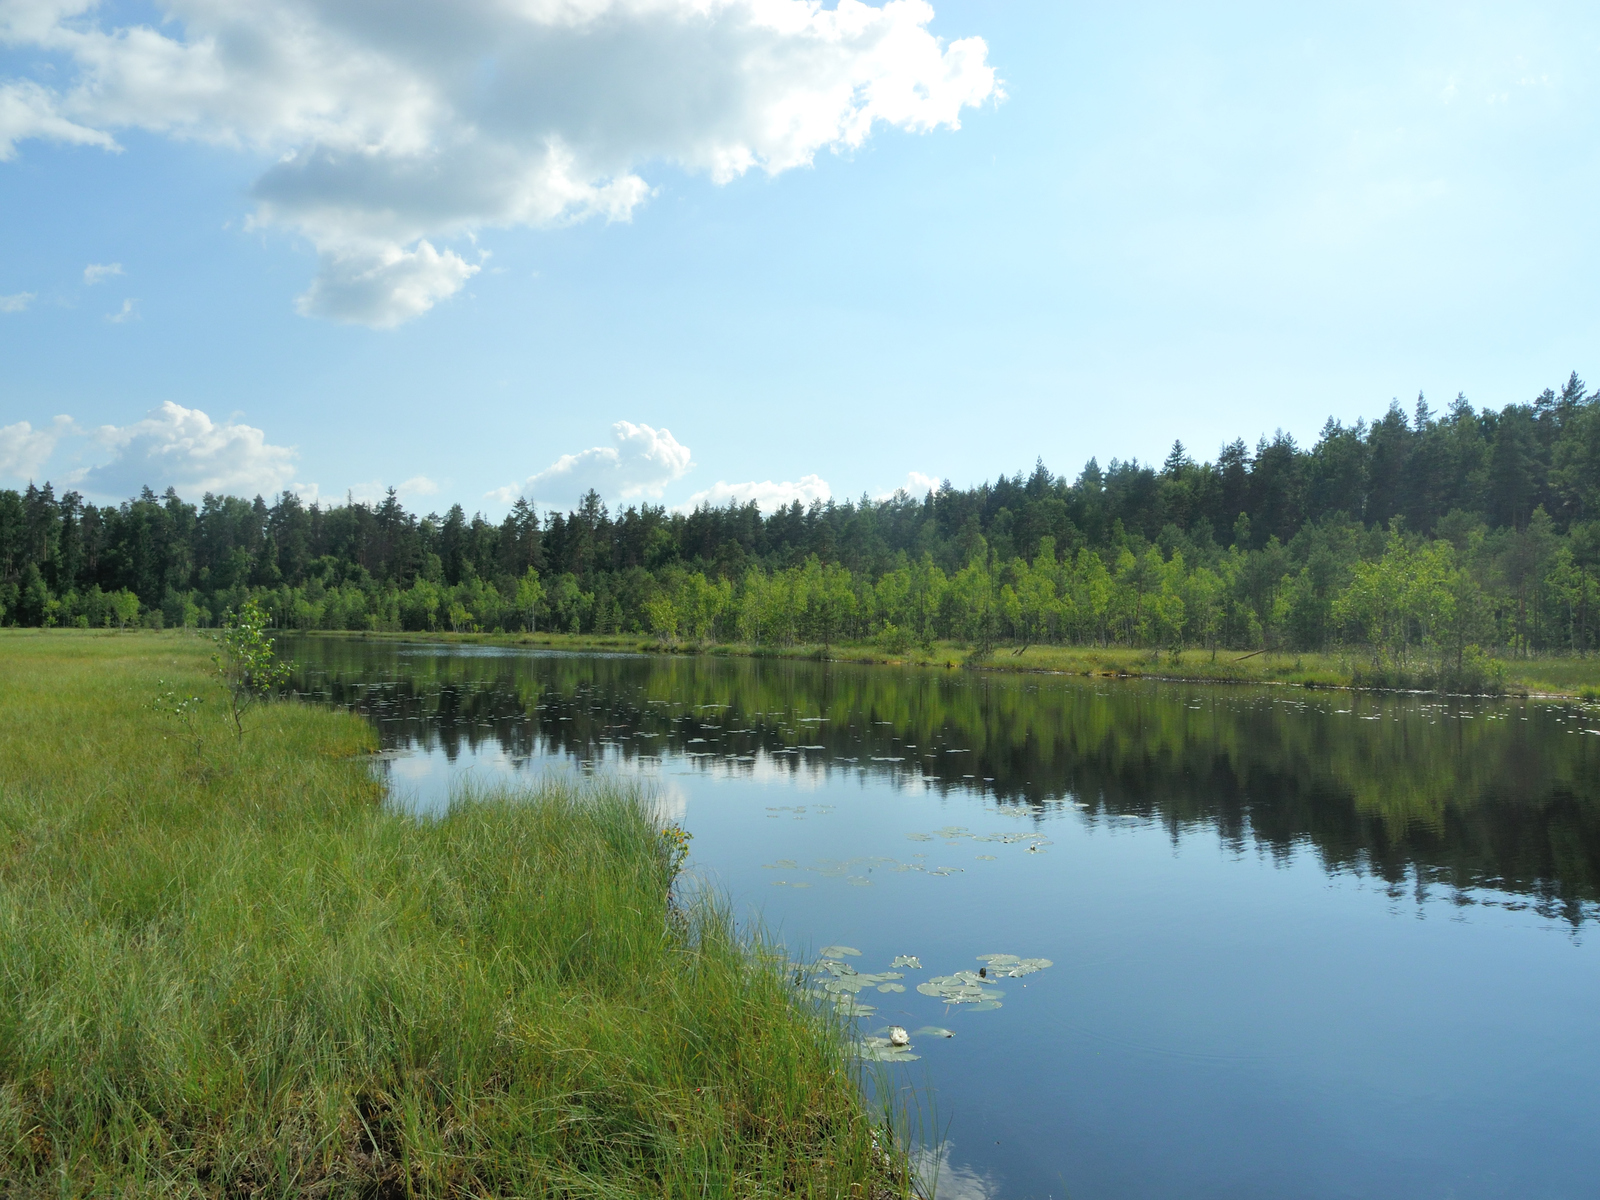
[(1458, 794)]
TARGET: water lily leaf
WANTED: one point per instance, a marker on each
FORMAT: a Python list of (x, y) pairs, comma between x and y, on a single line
[(932, 1031), (907, 960), (983, 1006), (877, 1049), (891, 987), (839, 952), (986, 858), (849, 1006), (919, 837), (999, 960)]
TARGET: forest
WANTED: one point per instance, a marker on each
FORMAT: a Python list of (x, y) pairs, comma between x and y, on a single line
[(1436, 535)]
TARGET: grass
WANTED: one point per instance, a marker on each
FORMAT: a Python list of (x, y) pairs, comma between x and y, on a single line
[(1569, 676), (232, 971)]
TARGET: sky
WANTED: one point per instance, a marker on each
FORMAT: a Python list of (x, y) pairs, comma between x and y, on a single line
[(688, 251)]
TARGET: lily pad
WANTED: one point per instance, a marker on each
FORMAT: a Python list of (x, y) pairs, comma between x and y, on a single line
[(839, 952), (891, 987), (849, 1006), (1003, 966), (880, 1049), (933, 1031), (964, 987), (907, 960)]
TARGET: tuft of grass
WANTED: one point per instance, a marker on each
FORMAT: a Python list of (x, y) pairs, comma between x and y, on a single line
[(233, 970)]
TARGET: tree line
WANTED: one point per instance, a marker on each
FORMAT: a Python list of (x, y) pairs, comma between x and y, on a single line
[(1421, 534)]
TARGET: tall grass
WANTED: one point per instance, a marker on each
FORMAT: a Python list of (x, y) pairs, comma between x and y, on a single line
[(233, 971)]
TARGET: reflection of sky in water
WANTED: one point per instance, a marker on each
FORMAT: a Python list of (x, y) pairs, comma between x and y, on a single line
[(1230, 1012)]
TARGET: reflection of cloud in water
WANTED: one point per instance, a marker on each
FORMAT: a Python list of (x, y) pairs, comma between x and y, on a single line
[(954, 1182), (671, 802), (423, 781), (414, 767)]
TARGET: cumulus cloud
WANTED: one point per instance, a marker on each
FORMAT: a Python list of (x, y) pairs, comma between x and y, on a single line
[(374, 490), (17, 302), (383, 286), (641, 462), (98, 272), (29, 111), (185, 449), (24, 450), (769, 496), (916, 485), (396, 125)]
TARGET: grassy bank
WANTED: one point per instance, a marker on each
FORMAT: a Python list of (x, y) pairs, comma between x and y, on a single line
[(1569, 676), (226, 970)]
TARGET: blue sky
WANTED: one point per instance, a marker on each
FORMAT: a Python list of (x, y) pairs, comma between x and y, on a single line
[(369, 268)]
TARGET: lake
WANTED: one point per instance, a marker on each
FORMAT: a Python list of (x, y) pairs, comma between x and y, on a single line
[(1302, 943)]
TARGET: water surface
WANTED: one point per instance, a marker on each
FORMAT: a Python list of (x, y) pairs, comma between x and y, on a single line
[(1304, 943)]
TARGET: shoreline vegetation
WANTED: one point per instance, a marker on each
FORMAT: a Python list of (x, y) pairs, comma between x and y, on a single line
[(227, 968), (1576, 678), (1455, 551)]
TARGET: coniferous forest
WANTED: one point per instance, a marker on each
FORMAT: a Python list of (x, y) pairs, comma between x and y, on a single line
[(1447, 534)]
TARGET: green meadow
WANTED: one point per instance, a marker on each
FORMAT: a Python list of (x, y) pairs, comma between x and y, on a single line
[(228, 969)]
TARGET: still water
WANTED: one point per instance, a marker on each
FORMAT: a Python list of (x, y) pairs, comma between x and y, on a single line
[(1304, 944)]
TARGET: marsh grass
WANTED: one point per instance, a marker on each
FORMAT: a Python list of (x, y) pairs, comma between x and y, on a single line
[(235, 972)]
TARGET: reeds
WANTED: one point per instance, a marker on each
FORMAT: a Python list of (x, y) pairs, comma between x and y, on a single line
[(233, 970)]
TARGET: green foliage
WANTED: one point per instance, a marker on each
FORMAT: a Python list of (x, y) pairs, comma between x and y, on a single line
[(258, 979), (1334, 546), (245, 663), (185, 710)]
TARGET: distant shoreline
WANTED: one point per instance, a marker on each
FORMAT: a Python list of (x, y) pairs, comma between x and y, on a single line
[(1546, 677)]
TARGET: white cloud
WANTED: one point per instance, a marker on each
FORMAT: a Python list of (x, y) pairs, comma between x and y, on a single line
[(393, 125), (383, 285), (98, 272), (641, 463), (916, 485), (29, 111), (128, 312), (418, 485), (373, 491), (768, 495), (185, 449), (16, 303), (24, 450)]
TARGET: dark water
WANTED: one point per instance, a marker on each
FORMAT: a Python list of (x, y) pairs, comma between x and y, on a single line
[(1304, 943)]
